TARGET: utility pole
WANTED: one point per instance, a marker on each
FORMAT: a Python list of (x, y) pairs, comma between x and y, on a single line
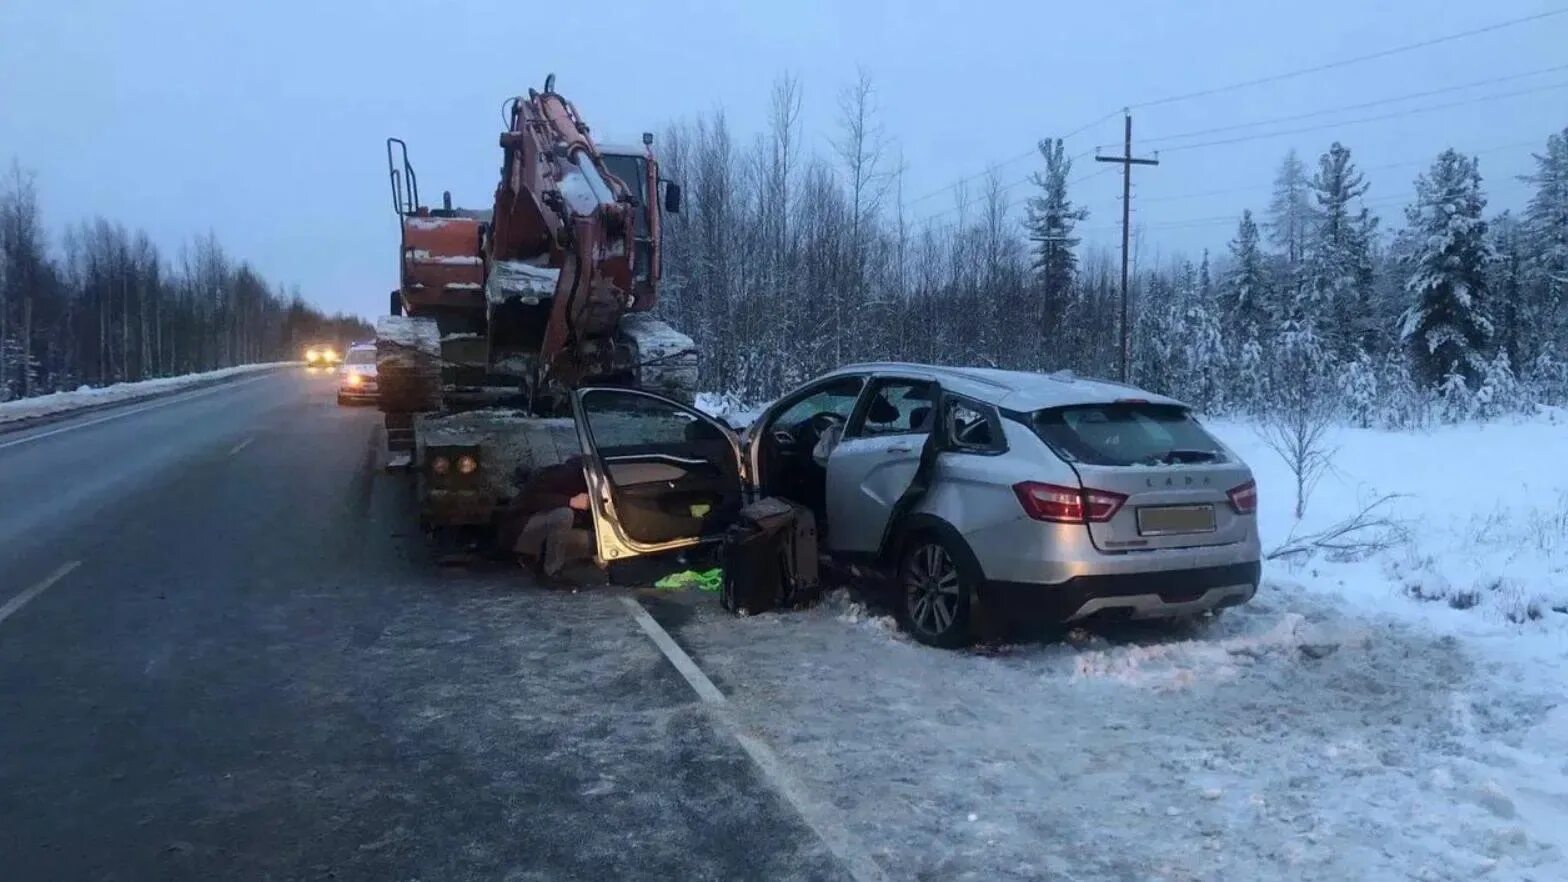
[(1127, 161)]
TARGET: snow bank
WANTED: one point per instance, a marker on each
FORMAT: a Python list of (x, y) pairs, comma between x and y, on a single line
[(87, 396)]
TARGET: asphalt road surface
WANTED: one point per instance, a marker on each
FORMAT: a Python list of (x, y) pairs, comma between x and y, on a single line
[(225, 654)]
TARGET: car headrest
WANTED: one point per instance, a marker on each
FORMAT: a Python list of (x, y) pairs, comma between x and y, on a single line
[(882, 411), (919, 419)]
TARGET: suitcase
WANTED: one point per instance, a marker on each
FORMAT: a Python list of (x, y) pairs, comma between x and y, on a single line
[(770, 558)]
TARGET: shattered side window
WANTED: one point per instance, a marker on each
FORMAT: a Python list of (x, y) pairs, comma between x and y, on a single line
[(973, 426), (898, 407)]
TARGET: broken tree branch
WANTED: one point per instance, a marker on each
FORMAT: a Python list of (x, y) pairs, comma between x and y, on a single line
[(1371, 529)]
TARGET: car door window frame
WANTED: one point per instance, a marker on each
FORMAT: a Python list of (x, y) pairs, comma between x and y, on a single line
[(773, 413), (855, 428), (762, 429), (993, 420)]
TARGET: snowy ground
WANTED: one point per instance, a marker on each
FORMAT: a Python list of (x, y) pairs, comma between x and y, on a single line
[(1395, 717), (87, 396)]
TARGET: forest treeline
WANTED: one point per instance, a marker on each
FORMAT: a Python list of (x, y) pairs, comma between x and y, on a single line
[(100, 303), (785, 263)]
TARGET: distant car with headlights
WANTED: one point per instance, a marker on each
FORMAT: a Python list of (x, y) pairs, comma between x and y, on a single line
[(357, 375), (322, 355)]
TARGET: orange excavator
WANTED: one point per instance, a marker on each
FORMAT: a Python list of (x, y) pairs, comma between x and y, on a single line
[(501, 312)]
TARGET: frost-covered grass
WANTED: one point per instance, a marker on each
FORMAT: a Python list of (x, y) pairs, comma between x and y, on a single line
[(88, 396), (1395, 715)]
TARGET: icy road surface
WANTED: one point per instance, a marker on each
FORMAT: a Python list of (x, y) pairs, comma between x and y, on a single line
[(1283, 741)]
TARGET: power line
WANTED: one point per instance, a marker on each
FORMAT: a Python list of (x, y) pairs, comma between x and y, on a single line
[(1350, 122), (1233, 86), (1034, 151), (1318, 68), (1513, 145), (1210, 220), (1007, 187), (1362, 106), (1250, 188)]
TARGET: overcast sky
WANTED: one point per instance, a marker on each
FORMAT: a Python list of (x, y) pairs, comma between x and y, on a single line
[(264, 121)]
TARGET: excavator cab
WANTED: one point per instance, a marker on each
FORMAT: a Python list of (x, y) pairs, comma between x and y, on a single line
[(639, 171)]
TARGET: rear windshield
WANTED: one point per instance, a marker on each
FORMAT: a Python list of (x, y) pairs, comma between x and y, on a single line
[(360, 356), (1126, 433)]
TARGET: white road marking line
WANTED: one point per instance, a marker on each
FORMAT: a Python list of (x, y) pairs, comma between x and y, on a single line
[(173, 399), (823, 820), (21, 600), (241, 446)]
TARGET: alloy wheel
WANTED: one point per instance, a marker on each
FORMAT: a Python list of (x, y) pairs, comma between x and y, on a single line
[(932, 587)]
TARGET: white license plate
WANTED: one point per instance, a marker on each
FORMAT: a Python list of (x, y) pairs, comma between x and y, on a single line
[(1169, 520)]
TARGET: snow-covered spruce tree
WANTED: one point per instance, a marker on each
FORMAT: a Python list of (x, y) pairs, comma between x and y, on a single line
[(1050, 220), (1290, 223), (1244, 295), (1154, 328), (1546, 231), (1191, 343), (1249, 366), (1549, 379), (1501, 392), (1337, 294), (1506, 288), (1456, 401), (1447, 327), (1358, 390), (1400, 404)]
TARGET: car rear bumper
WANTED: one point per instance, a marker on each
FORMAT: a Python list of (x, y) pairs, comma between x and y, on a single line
[(1130, 595)]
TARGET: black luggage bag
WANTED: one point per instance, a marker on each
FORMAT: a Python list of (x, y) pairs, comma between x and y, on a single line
[(770, 558)]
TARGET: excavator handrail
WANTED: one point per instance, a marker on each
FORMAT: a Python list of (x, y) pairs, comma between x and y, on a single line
[(405, 185)]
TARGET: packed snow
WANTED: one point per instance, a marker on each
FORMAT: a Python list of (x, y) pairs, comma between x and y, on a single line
[(1397, 714), (88, 396)]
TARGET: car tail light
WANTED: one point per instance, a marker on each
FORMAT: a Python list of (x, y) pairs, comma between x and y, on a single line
[(1244, 499), (1067, 505)]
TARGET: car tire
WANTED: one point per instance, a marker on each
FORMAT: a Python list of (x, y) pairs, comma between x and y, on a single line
[(936, 591)]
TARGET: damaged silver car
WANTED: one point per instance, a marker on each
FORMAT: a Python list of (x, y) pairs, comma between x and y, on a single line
[(986, 493)]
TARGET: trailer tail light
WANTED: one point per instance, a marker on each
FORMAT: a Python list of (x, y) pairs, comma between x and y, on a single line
[(1244, 499), (1067, 505)]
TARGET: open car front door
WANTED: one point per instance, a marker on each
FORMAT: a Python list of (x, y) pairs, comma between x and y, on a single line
[(661, 476)]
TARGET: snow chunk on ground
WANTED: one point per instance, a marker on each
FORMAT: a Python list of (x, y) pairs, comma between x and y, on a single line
[(87, 396)]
